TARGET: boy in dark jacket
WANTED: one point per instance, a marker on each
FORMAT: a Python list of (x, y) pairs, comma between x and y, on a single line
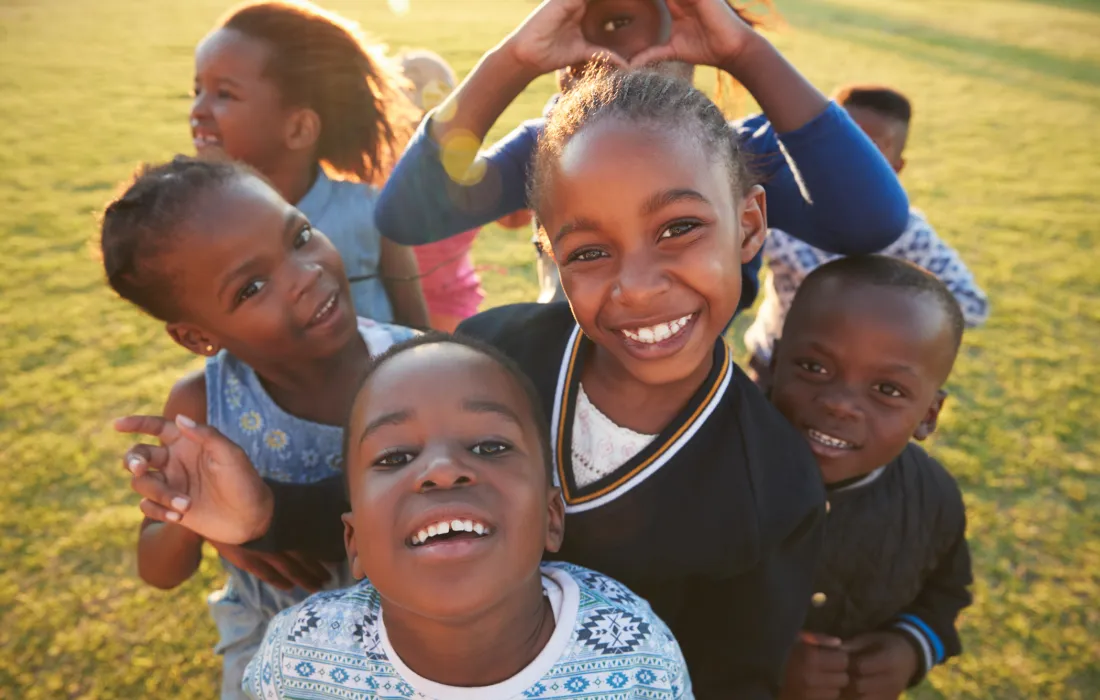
[(867, 346)]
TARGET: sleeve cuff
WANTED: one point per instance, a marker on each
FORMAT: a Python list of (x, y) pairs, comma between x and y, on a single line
[(929, 647)]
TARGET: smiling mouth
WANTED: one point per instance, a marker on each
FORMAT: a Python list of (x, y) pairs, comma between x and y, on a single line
[(829, 440), (657, 333), (205, 140), (325, 311), (446, 530)]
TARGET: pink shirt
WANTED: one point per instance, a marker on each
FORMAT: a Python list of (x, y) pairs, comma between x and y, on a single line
[(451, 285)]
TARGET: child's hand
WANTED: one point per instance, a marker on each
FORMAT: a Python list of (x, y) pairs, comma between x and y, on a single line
[(704, 33), (816, 670), (197, 478), (551, 38), (283, 570), (881, 667)]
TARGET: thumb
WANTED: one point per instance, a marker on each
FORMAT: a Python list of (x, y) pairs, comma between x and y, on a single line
[(219, 447), (860, 643), (654, 54), (819, 640)]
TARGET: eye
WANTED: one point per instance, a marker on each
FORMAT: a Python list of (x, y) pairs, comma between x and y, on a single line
[(679, 228), (305, 235), (811, 366), (196, 91), (586, 255), (889, 389), (616, 23), (250, 290), (225, 95), (489, 448), (395, 458)]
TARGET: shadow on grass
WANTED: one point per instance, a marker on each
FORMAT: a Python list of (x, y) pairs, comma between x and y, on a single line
[(956, 52)]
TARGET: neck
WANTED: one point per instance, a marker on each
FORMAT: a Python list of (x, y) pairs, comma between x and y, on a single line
[(472, 653), (292, 179), (320, 389), (633, 404)]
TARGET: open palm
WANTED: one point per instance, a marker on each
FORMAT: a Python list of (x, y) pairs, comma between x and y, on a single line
[(197, 478)]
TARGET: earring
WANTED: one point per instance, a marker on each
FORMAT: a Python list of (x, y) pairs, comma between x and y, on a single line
[(210, 348)]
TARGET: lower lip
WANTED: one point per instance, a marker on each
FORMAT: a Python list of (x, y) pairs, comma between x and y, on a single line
[(451, 550), (664, 348), (827, 451), (203, 144)]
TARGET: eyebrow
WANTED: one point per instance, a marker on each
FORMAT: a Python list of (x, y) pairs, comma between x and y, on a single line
[(388, 419), (662, 199), (293, 219), (581, 224), (494, 407)]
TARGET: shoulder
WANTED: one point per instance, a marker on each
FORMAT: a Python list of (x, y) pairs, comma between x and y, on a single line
[(353, 611), (786, 481), (188, 398), (603, 599), (521, 328), (381, 336), (932, 480)]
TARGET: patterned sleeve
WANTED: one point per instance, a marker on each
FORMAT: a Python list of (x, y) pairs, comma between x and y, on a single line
[(921, 246), (261, 678)]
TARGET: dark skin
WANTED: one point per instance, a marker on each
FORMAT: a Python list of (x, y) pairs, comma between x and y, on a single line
[(646, 228), (440, 433), (251, 276), (859, 371), (238, 112)]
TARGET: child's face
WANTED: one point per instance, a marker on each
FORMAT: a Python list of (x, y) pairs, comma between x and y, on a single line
[(237, 109), (254, 278), (442, 435), (649, 235), (858, 371), (887, 133)]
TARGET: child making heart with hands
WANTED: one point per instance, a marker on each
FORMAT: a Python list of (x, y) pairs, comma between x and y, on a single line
[(846, 199)]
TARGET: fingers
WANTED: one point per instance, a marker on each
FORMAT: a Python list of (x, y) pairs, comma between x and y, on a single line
[(155, 511), (171, 504), (881, 686), (827, 661), (153, 426), (819, 640), (297, 573), (872, 664), (141, 458), (654, 54), (223, 450)]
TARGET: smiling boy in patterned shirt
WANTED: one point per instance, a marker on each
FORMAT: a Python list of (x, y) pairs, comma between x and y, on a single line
[(452, 509)]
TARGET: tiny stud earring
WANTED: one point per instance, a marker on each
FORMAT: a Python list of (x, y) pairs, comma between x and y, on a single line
[(210, 348)]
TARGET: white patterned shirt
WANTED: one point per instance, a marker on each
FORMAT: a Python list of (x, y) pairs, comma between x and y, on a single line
[(607, 643), (790, 260), (600, 445)]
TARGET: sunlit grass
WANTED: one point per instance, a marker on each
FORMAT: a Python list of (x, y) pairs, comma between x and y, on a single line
[(1004, 158)]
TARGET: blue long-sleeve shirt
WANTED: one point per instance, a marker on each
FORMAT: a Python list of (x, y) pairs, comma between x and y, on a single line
[(826, 184)]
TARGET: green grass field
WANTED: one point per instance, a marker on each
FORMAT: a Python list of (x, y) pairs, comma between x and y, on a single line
[(1004, 158)]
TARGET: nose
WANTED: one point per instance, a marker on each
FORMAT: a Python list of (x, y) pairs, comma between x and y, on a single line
[(641, 279), (442, 470), (199, 108), (307, 273), (841, 402)]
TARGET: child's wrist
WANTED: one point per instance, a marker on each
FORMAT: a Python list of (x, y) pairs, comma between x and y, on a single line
[(748, 59), (510, 61)]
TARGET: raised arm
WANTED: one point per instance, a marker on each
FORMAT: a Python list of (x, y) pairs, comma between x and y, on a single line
[(442, 186), (845, 198)]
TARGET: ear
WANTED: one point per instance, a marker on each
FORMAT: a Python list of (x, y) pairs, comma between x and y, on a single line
[(303, 129), (351, 548), (928, 423), (555, 530), (193, 339), (899, 165), (754, 223)]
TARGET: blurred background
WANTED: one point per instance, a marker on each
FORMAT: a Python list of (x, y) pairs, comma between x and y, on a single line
[(1004, 158)]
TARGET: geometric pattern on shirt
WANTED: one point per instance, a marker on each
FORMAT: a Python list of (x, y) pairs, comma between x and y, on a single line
[(324, 649)]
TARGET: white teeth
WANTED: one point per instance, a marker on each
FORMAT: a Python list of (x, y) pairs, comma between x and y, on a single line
[(828, 440), (658, 333), (446, 527), (325, 309)]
